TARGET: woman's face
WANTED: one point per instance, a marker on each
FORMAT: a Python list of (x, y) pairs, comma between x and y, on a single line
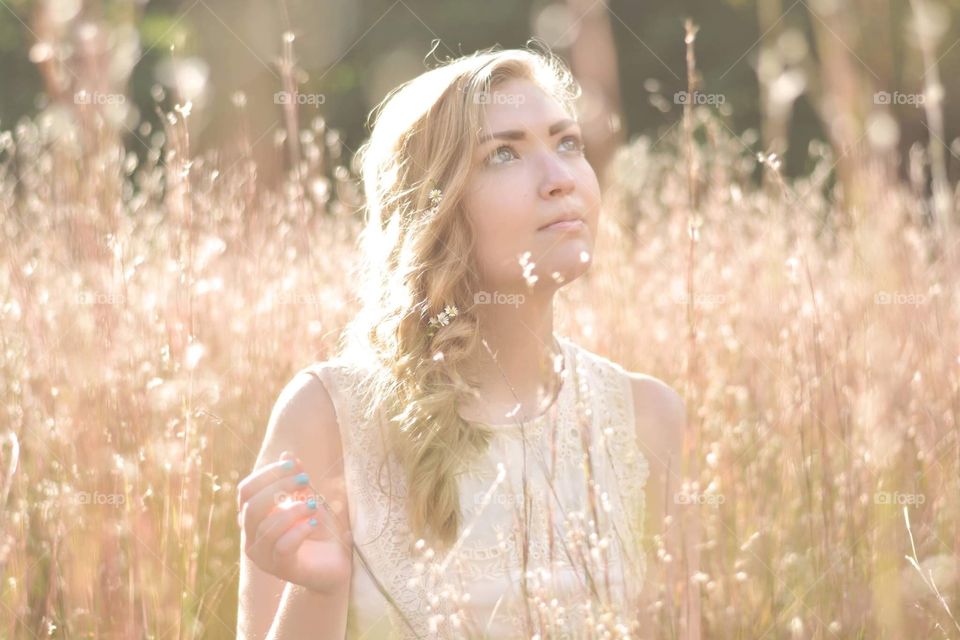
[(529, 171)]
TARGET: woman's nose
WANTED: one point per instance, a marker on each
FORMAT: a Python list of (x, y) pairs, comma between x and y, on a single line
[(557, 179)]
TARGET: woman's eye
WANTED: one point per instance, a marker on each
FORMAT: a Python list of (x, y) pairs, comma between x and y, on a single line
[(573, 144), (505, 153), (502, 153)]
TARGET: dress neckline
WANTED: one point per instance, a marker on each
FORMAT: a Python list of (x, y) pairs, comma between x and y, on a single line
[(515, 423)]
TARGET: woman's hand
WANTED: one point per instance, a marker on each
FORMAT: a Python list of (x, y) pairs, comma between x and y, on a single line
[(289, 532)]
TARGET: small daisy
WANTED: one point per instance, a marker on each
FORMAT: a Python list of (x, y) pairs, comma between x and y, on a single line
[(443, 318)]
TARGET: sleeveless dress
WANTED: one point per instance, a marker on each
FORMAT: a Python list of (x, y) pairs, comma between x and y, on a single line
[(581, 561)]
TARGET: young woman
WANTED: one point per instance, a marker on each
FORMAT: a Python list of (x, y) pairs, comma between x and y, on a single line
[(458, 469)]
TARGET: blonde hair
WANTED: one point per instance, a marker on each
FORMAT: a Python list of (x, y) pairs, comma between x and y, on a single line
[(416, 258)]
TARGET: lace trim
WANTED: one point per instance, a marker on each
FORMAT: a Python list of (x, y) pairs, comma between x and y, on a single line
[(490, 549)]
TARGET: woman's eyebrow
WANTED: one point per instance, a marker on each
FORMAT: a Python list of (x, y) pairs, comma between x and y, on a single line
[(514, 134)]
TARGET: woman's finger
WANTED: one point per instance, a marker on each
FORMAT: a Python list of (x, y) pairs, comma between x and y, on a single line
[(327, 528), (288, 489), (270, 529), (286, 546), (287, 466)]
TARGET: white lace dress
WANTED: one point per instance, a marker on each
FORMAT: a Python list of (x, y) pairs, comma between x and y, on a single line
[(587, 562)]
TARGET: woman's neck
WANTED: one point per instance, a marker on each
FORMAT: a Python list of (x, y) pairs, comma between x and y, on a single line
[(524, 352)]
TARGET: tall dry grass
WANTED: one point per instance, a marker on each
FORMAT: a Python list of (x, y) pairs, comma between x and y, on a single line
[(151, 311)]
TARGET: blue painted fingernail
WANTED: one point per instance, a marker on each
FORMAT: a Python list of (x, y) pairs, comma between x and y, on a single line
[(312, 503), (287, 464), (302, 478), (313, 522)]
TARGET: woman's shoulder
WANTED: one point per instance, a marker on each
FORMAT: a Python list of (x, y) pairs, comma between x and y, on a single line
[(586, 356), (334, 362), (310, 391), (350, 385), (660, 419), (657, 405), (595, 364), (649, 387), (336, 371), (302, 417)]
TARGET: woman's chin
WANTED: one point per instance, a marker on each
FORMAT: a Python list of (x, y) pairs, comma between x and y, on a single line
[(560, 268)]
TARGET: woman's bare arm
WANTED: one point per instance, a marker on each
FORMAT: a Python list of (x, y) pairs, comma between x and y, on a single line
[(661, 420), (304, 422), (661, 423)]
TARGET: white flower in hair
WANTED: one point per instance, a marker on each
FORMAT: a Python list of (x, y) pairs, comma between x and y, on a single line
[(443, 318)]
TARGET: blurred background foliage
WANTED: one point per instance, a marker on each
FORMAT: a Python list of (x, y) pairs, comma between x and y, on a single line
[(789, 72)]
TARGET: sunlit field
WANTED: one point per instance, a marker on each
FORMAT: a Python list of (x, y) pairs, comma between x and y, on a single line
[(152, 309)]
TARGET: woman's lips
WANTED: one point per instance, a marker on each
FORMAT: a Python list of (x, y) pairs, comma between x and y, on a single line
[(564, 225)]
